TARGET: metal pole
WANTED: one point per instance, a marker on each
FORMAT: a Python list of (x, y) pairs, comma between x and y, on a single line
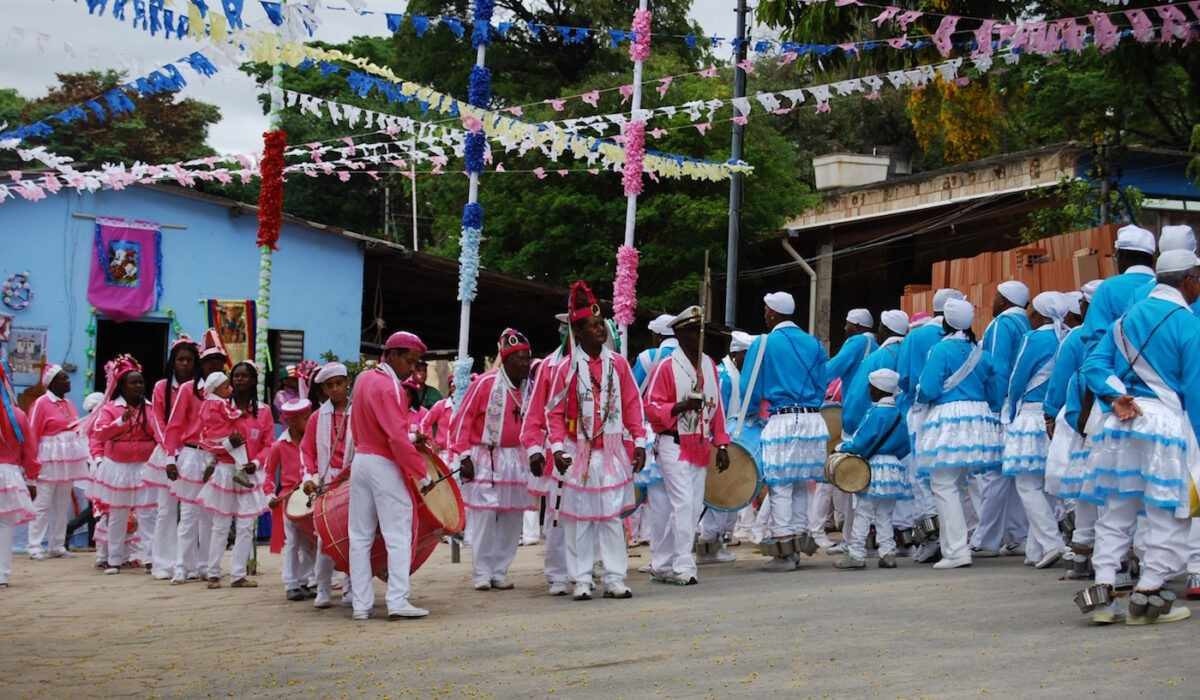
[(263, 302), (412, 159), (735, 179), (631, 200)]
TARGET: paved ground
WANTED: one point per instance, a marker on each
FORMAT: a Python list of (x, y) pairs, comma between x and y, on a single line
[(998, 629)]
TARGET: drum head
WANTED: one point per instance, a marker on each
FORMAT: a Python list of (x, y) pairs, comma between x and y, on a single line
[(299, 505), (733, 488), (848, 472), (442, 500), (833, 422)]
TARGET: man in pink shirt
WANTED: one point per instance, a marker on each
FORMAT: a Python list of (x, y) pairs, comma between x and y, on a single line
[(594, 403), (325, 453), (683, 403), (382, 477)]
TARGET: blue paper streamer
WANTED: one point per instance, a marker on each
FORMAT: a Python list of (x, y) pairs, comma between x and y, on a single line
[(456, 27), (479, 86), (462, 377), (472, 216), (274, 12), (468, 263), (394, 22), (158, 259), (420, 24), (233, 13), (473, 152)]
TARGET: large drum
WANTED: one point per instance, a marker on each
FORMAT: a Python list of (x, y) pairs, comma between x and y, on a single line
[(436, 514), (734, 488), (832, 413), (299, 510), (848, 472)]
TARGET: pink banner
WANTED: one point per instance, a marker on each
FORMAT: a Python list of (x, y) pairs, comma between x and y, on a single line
[(125, 280)]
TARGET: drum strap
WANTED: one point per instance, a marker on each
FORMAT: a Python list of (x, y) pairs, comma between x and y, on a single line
[(883, 437)]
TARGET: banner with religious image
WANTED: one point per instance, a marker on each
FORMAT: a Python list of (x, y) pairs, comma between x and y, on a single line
[(234, 320), (126, 270), (26, 354)]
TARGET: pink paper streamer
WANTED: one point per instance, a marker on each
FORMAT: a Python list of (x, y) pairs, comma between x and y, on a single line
[(639, 48), (625, 286), (941, 37), (635, 153)]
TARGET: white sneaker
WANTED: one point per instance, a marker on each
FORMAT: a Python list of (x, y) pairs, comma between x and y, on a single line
[(583, 591), (529, 542), (779, 564), (62, 554), (953, 563), (617, 590), (558, 589), (503, 584), (160, 576), (1048, 559), (927, 552), (724, 556), (37, 556), (645, 569), (484, 585), (346, 601), (1012, 549), (361, 615), (823, 541), (112, 570), (838, 548), (322, 601), (408, 611)]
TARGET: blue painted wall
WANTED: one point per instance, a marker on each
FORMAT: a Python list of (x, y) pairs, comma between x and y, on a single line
[(316, 275)]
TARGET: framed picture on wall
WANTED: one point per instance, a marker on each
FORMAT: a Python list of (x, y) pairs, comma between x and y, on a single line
[(26, 349)]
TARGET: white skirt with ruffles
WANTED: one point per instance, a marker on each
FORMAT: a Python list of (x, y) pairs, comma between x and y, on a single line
[(221, 496), (1026, 442), (500, 486), (15, 505), (960, 435), (794, 448), (119, 485), (64, 458)]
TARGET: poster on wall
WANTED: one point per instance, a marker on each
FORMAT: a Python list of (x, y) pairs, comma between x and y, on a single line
[(235, 323), (126, 271), (26, 348)]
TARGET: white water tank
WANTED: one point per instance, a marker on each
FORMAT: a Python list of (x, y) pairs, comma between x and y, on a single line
[(849, 170)]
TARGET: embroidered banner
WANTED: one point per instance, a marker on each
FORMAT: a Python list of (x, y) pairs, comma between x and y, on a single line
[(126, 276), (235, 323)]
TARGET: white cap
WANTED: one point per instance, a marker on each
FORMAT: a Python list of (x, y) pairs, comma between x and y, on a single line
[(1015, 291), (214, 380), (1052, 305), (941, 296), (1135, 238), (563, 318), (692, 314), (330, 370), (92, 400), (895, 321), (861, 317), (1089, 289), (885, 379), (1176, 261), (662, 325), (1073, 299), (780, 303), (740, 341), (959, 313), (1176, 238)]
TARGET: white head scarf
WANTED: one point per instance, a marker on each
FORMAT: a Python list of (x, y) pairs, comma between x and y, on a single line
[(1089, 290), (740, 341), (1135, 238), (1053, 306), (861, 317), (214, 380), (959, 314), (780, 303), (329, 371), (1176, 238), (1015, 291), (662, 325), (885, 379), (1073, 299), (1176, 261), (941, 296), (895, 320)]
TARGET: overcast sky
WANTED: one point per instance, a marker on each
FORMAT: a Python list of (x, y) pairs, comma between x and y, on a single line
[(38, 38)]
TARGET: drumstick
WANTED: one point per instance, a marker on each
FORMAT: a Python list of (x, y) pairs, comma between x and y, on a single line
[(429, 487)]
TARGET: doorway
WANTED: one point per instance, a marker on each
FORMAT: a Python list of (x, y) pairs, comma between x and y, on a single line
[(145, 340)]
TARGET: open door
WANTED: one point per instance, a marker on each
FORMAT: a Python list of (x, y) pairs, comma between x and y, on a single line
[(145, 340)]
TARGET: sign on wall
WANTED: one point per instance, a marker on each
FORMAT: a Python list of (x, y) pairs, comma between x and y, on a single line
[(26, 349)]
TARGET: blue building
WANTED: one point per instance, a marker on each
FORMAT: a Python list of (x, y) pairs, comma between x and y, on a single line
[(207, 252)]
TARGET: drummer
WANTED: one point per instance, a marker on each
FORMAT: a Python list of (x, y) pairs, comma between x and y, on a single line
[(486, 433), (284, 460), (859, 344), (683, 403), (382, 473), (716, 524), (326, 450), (882, 440), (787, 369), (594, 404)]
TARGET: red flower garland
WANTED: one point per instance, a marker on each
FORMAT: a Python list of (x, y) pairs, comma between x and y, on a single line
[(270, 193)]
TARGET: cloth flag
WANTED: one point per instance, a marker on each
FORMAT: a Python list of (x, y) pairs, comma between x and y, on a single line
[(126, 275)]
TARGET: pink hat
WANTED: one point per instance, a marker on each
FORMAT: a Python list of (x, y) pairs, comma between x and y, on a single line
[(403, 340), (511, 341)]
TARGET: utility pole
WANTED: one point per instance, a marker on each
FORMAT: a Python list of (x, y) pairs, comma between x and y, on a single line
[(735, 179)]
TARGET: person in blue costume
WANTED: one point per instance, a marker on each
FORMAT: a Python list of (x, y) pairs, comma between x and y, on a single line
[(914, 352), (1025, 438), (664, 344), (1135, 263), (1001, 516), (842, 368), (716, 524), (1066, 456), (882, 440), (1144, 370), (787, 370), (960, 432)]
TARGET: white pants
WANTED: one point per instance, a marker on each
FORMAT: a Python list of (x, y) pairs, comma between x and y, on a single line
[(1193, 565), (996, 516), (379, 499), (323, 573), (948, 486), (716, 523), (1044, 536), (1085, 523), (554, 561), (827, 497), (118, 526), (530, 528), (789, 509), (868, 512), (1166, 543), (147, 524), (53, 508), (298, 556), (923, 503), (762, 520), (6, 551), (192, 544), (675, 507), (585, 539), (166, 534), (243, 541), (496, 534)]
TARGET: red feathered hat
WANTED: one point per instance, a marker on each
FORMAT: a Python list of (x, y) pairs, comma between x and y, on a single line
[(211, 345), (582, 303), (511, 341)]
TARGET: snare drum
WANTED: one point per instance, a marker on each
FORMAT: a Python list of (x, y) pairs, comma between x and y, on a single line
[(299, 510), (848, 472), (734, 488)]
